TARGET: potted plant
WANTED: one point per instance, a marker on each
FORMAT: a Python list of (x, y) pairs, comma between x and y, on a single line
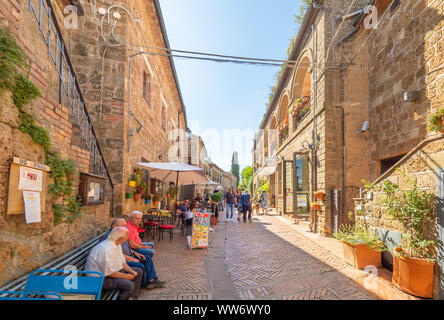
[(148, 199), (436, 121), (138, 191), (155, 200), (316, 206), (413, 263), (361, 248), (132, 180), (320, 195), (129, 195)]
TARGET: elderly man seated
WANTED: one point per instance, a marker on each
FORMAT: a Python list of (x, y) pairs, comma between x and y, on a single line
[(107, 257), (145, 248), (134, 259), (183, 208)]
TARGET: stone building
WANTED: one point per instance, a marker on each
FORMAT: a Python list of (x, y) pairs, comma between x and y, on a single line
[(105, 104), (310, 140), (387, 77), (406, 83)]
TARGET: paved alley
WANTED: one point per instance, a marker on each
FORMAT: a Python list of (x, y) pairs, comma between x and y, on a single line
[(266, 259)]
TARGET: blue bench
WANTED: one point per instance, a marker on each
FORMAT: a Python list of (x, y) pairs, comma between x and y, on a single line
[(76, 258)]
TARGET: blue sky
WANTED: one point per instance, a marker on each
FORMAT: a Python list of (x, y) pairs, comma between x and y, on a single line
[(221, 96)]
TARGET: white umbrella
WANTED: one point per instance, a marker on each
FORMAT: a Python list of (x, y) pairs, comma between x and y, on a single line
[(211, 182), (175, 172)]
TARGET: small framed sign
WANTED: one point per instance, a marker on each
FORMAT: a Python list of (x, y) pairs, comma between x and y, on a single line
[(92, 189)]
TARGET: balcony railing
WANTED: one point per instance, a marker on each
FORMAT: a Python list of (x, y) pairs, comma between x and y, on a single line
[(52, 36)]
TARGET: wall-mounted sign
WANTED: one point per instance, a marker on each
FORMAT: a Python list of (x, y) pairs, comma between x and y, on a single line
[(30, 179), (32, 206), (27, 179), (92, 189), (301, 200)]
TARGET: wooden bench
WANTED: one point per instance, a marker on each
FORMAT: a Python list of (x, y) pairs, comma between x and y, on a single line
[(76, 257)]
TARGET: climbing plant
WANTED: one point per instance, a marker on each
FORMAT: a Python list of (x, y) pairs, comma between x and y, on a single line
[(12, 63)]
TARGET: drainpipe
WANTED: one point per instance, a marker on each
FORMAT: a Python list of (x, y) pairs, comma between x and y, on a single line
[(340, 218), (314, 144)]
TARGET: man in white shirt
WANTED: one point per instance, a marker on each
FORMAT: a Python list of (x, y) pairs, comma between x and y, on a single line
[(107, 257)]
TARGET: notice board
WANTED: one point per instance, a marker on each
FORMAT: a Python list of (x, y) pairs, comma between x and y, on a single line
[(201, 229), (20, 166)]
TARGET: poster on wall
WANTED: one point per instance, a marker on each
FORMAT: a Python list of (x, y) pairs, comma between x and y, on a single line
[(32, 206), (301, 200), (201, 228), (30, 179)]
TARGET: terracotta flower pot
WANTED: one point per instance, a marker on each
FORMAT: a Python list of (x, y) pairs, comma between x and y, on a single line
[(214, 221), (137, 196), (360, 255), (319, 195), (412, 275), (155, 202)]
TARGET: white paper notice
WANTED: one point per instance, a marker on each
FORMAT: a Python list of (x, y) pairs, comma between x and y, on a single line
[(30, 179), (32, 206)]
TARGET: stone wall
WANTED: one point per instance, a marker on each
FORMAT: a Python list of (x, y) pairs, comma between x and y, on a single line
[(405, 54), (420, 165), (24, 247), (110, 107)]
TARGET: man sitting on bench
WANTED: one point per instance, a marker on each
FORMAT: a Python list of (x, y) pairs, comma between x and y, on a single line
[(135, 259), (107, 257), (145, 248)]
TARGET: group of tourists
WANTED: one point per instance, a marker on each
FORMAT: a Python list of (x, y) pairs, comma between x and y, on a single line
[(124, 260), (243, 202)]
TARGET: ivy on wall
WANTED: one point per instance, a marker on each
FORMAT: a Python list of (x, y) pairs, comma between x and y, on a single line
[(12, 60)]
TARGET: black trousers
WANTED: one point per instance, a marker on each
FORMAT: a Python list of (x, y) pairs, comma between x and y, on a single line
[(245, 209), (127, 288)]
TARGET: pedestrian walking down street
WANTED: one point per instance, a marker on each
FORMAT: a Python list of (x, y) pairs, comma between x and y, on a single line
[(264, 202), (238, 204), (245, 201), (230, 202)]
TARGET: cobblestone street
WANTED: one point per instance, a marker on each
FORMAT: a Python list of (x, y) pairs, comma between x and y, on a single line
[(266, 259)]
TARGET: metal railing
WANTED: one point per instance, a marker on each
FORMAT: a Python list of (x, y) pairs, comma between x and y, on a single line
[(68, 82)]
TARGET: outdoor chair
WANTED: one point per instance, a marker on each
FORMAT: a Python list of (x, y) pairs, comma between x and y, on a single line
[(71, 283), (166, 226), (151, 223)]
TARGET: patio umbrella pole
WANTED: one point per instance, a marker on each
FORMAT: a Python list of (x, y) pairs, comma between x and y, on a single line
[(177, 191)]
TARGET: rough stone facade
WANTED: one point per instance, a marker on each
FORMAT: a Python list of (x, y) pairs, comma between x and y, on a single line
[(155, 105), (156, 109), (420, 166), (23, 247), (405, 54)]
